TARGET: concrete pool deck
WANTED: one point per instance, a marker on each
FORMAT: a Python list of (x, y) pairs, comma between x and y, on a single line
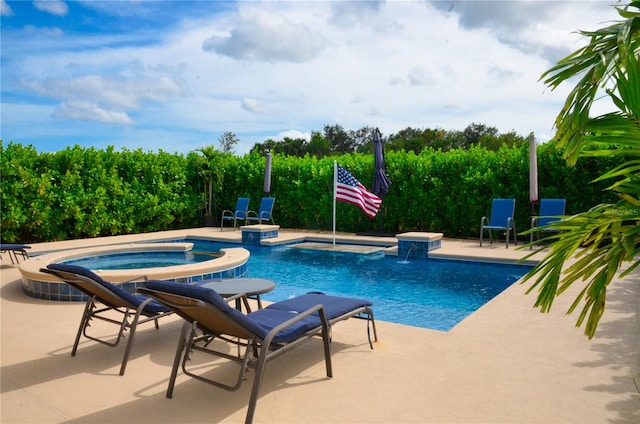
[(506, 363)]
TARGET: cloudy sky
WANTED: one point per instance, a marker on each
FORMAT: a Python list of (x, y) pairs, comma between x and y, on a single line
[(175, 75)]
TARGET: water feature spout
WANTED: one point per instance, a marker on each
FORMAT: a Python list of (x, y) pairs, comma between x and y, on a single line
[(412, 247)]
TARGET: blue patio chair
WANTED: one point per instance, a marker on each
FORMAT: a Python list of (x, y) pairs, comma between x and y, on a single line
[(502, 218), (265, 212), (114, 299), (264, 334), (551, 210), (239, 214), (13, 250)]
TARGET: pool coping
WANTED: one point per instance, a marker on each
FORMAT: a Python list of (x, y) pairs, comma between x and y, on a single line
[(230, 258), (506, 363)]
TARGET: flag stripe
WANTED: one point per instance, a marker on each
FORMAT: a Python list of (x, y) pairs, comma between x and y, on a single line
[(350, 190)]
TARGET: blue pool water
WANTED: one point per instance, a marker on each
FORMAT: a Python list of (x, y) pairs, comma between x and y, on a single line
[(435, 294), (136, 260)]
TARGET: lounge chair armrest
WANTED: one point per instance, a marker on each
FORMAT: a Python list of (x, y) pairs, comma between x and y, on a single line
[(318, 308), (140, 277), (236, 297)]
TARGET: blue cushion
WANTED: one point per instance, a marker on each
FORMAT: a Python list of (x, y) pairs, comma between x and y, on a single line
[(268, 319), (5, 246), (209, 296), (264, 320), (188, 290), (334, 306), (152, 307)]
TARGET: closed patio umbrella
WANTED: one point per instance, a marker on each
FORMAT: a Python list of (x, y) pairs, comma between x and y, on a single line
[(533, 172), (267, 175), (380, 181)]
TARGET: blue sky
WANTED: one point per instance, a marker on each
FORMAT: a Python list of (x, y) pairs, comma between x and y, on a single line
[(175, 75)]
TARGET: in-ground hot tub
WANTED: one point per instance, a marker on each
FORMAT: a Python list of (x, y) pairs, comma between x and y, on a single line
[(232, 263)]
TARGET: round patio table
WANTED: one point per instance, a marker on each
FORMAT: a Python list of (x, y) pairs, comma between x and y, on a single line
[(252, 287)]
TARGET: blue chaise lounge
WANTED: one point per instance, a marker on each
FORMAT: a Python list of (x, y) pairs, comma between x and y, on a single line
[(264, 334)]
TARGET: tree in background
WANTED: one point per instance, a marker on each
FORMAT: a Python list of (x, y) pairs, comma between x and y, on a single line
[(210, 165), (363, 139), (608, 235), (319, 146), (335, 140), (339, 139), (228, 141)]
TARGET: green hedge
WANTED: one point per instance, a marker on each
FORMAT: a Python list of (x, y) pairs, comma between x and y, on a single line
[(82, 192), (79, 193)]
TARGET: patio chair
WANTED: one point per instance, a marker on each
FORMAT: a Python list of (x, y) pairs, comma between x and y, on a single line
[(502, 218), (113, 298), (240, 213), (264, 334), (550, 210), (265, 212), (13, 250)]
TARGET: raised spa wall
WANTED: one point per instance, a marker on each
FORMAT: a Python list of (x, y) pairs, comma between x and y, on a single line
[(231, 264)]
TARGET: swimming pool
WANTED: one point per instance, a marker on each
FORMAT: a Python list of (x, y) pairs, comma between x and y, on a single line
[(435, 294)]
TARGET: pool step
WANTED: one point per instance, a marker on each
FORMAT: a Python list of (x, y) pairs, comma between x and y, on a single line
[(342, 248)]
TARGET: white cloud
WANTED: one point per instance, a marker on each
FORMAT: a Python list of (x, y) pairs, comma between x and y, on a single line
[(55, 7), (349, 13), (255, 106), (293, 134), (112, 91), (5, 9), (43, 31), (540, 26), (87, 111), (418, 75), (261, 35), (267, 67)]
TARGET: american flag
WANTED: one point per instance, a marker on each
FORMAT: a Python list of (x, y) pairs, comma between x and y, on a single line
[(349, 190)]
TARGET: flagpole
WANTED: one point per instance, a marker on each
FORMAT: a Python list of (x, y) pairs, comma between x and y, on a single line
[(335, 192)]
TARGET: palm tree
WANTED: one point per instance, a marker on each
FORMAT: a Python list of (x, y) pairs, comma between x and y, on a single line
[(602, 239), (212, 176)]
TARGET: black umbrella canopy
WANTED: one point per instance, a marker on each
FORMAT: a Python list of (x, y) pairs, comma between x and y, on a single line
[(380, 181)]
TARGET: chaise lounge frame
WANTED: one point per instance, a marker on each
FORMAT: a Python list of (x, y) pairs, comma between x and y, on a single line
[(134, 310), (218, 320), (13, 250)]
